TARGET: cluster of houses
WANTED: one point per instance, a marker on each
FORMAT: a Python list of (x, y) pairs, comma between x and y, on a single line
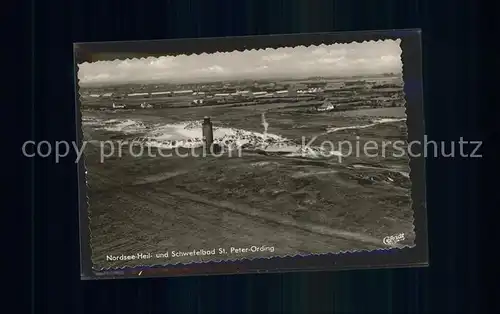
[(143, 105), (292, 90)]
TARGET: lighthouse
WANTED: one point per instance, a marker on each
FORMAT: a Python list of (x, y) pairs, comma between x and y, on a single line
[(208, 133)]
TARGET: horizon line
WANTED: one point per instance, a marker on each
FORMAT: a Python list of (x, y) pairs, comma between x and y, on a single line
[(147, 82)]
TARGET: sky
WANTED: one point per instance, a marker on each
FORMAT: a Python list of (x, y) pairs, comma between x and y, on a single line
[(337, 60)]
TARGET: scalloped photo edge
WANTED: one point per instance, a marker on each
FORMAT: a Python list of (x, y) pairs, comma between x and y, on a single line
[(273, 220)]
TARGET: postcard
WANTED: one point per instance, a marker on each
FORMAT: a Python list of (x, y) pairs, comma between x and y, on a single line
[(251, 154)]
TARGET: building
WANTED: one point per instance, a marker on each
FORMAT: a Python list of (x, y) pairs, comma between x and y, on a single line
[(244, 92), (265, 95), (313, 90), (259, 94), (115, 106), (280, 93), (334, 85), (183, 92), (326, 106), (138, 95)]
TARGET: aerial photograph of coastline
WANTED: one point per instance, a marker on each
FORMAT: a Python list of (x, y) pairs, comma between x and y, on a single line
[(238, 155)]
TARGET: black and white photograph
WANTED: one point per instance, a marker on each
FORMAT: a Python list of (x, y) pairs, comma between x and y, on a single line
[(243, 155)]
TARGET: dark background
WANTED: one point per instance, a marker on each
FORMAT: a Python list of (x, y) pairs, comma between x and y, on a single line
[(454, 91)]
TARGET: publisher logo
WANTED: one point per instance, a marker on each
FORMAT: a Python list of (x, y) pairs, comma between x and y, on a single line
[(392, 240)]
